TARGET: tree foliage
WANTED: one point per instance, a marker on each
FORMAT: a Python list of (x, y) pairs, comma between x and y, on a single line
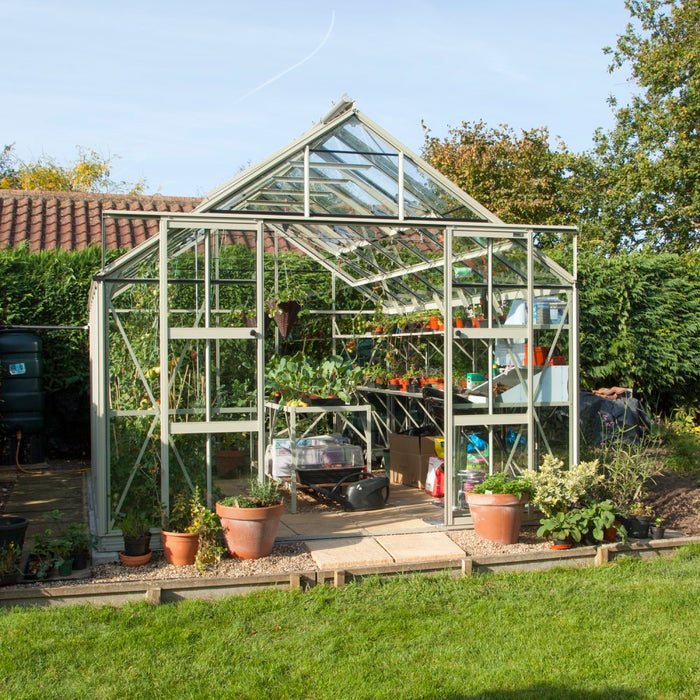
[(90, 172), (640, 324), (644, 189), (519, 177)]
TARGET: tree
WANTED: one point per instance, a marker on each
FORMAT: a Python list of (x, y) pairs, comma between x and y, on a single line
[(519, 177), (88, 173), (645, 187)]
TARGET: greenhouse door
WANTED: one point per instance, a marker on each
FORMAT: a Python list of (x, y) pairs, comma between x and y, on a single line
[(211, 319)]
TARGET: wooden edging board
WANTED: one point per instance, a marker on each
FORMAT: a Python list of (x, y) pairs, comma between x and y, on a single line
[(206, 588)]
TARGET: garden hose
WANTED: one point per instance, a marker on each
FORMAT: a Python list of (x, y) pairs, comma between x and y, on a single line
[(40, 470)]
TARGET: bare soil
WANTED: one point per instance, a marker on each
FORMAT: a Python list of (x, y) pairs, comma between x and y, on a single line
[(676, 499)]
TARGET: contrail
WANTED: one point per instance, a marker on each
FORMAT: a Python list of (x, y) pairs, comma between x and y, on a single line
[(291, 68)]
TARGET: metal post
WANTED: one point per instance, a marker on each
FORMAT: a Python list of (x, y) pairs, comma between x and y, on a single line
[(530, 352), (164, 365), (307, 185), (207, 362), (448, 420), (401, 213), (574, 362), (260, 343)]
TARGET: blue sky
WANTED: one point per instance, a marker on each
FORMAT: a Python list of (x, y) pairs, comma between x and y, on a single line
[(187, 94)]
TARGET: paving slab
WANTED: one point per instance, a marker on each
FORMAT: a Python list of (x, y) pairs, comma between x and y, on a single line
[(321, 524), (347, 552), (388, 525), (420, 546)]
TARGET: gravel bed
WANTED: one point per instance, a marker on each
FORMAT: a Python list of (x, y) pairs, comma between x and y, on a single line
[(475, 546)]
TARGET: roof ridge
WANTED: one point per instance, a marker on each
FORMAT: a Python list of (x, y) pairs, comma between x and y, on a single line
[(75, 194)]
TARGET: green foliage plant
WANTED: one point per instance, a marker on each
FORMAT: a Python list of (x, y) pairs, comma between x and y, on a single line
[(562, 525), (558, 490), (596, 517), (629, 468), (134, 524), (500, 483), (259, 495), (189, 514)]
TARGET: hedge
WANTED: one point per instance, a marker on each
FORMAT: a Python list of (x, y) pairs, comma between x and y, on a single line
[(640, 317)]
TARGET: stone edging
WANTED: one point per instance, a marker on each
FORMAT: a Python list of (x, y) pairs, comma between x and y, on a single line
[(172, 590)]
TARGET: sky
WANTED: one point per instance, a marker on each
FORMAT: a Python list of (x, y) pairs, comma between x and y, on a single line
[(185, 94)]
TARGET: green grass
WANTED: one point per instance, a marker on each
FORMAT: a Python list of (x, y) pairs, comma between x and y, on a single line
[(627, 630)]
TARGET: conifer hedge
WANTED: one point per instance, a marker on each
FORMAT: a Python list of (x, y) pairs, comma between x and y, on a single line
[(640, 317)]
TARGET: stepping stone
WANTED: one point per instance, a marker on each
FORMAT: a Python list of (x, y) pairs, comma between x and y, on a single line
[(420, 546), (345, 553)]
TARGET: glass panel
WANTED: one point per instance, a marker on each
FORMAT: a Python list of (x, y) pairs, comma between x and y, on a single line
[(479, 451), (425, 197)]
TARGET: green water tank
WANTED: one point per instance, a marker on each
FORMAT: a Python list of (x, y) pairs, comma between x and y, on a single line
[(21, 391)]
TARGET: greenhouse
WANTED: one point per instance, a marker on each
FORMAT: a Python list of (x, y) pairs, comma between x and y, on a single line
[(425, 286)]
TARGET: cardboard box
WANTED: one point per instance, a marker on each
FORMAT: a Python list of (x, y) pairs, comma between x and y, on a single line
[(408, 459)]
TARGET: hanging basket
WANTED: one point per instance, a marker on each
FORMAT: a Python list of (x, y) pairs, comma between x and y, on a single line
[(285, 314)]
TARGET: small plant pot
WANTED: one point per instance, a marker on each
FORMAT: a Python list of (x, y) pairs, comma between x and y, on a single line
[(37, 568), (64, 567), (180, 548), (657, 533), (561, 544), (8, 579), (137, 546), (638, 527), (610, 533), (139, 560), (80, 561), (228, 463)]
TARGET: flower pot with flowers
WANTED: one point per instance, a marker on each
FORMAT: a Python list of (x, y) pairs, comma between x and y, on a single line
[(191, 533)]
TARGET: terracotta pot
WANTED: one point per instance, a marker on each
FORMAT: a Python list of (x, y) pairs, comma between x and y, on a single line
[(180, 548), (497, 517), (137, 560), (610, 533), (229, 462), (249, 532)]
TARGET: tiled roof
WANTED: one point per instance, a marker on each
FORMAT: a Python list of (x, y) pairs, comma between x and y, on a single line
[(72, 220)]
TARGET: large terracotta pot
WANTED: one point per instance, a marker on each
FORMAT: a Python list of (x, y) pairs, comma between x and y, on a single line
[(497, 516), (249, 532), (180, 548)]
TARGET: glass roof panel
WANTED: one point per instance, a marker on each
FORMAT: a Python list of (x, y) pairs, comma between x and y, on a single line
[(352, 172), (424, 196)]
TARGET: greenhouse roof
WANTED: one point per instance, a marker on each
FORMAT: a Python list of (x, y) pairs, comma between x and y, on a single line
[(365, 207)]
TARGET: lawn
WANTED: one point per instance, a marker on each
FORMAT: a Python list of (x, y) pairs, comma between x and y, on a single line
[(630, 629)]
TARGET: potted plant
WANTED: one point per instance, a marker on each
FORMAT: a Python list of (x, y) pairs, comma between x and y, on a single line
[(657, 530), (563, 528), (250, 521), (9, 564), (637, 520), (192, 533), (596, 517), (136, 531), (81, 544), (180, 539), (12, 530), (496, 506), (284, 310), (61, 547)]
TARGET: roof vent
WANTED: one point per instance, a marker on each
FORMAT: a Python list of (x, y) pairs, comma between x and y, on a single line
[(339, 106)]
